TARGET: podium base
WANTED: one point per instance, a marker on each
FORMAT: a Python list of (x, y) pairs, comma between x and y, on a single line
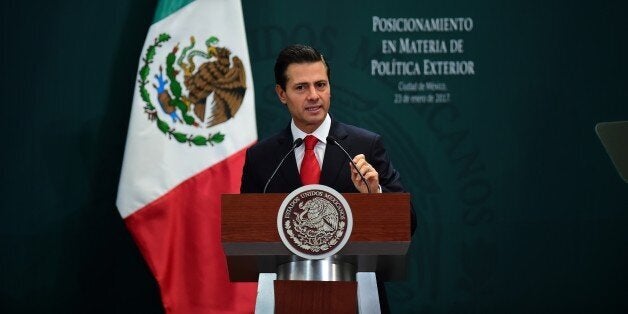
[(298, 296), (367, 295)]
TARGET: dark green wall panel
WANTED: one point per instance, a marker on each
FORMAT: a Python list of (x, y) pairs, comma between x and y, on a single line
[(520, 209)]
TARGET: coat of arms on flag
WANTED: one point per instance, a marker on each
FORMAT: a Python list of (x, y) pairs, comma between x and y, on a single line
[(219, 78)]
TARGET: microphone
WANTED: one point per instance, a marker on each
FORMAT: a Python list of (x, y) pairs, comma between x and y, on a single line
[(333, 141), (295, 144)]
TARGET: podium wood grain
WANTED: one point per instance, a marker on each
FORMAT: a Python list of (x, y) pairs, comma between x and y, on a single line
[(253, 217)]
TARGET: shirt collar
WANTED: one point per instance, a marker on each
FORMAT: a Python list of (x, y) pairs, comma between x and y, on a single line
[(321, 133)]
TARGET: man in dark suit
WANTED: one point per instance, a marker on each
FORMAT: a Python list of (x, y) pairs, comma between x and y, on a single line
[(302, 77)]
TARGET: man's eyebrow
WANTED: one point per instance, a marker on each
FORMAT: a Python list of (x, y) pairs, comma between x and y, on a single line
[(307, 83)]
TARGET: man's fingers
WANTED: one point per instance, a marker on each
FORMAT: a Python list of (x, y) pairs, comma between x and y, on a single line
[(353, 171), (358, 158), (368, 172), (370, 175), (365, 169), (360, 163)]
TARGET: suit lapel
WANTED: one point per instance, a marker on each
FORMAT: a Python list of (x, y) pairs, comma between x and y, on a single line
[(335, 161)]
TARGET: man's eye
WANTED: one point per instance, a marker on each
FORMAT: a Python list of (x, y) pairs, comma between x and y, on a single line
[(321, 84), (299, 87)]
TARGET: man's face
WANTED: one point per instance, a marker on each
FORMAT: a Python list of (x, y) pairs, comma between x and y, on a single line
[(306, 95)]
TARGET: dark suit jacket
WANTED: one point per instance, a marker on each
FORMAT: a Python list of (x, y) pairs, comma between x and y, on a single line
[(263, 157)]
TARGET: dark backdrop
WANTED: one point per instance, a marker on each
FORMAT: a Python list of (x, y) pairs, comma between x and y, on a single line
[(520, 209)]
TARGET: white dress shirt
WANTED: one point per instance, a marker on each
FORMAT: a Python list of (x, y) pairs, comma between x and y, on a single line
[(319, 150)]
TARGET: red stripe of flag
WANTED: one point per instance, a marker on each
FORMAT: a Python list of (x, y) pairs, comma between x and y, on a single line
[(179, 236)]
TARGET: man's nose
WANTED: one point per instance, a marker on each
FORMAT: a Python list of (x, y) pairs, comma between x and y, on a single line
[(312, 93)]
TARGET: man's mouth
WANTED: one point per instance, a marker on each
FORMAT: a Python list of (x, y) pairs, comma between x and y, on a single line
[(312, 108)]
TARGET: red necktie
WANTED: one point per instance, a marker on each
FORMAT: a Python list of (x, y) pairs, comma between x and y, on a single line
[(310, 170)]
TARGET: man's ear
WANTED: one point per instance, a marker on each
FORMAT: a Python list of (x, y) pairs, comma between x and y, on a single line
[(280, 93)]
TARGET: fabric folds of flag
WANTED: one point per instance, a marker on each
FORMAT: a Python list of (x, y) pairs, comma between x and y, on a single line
[(192, 119)]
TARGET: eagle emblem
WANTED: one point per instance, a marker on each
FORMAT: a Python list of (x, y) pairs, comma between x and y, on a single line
[(318, 217), (192, 89), (314, 221)]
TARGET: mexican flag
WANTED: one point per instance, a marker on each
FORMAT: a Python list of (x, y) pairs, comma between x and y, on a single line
[(193, 116)]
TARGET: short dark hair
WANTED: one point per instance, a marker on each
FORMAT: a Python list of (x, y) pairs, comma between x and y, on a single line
[(296, 54)]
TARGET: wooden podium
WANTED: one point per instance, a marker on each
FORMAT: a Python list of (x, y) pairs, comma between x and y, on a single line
[(378, 244)]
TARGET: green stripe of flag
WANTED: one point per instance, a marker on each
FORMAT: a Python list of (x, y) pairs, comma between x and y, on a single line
[(167, 7)]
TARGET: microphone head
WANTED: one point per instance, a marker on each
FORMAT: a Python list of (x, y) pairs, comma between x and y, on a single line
[(297, 142), (332, 140)]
